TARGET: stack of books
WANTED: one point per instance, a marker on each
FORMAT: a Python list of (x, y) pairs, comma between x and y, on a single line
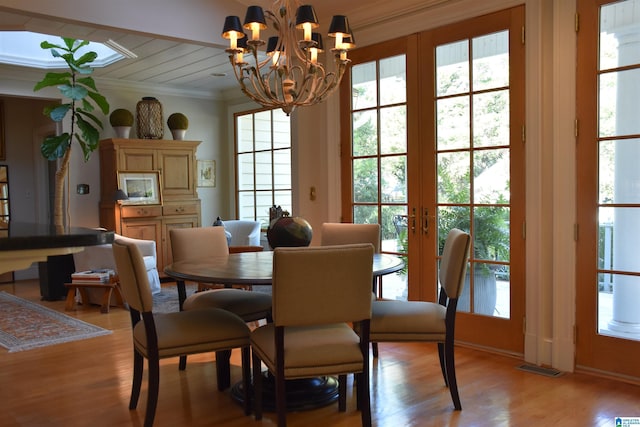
[(105, 275)]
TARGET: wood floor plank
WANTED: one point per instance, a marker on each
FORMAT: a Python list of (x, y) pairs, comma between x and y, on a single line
[(87, 383)]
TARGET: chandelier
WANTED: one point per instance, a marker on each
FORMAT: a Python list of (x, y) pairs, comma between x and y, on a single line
[(290, 75)]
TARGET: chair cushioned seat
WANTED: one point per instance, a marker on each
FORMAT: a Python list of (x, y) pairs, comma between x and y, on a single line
[(331, 350), (248, 305), (407, 321), (177, 336)]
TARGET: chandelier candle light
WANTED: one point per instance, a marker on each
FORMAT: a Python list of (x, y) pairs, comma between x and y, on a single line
[(291, 74)]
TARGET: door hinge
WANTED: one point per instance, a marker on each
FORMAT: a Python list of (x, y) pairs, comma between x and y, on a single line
[(523, 35), (576, 128), (524, 230), (576, 230), (524, 133), (577, 22)]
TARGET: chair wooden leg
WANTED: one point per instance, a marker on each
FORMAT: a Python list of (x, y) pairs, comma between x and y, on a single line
[(342, 393), (442, 363), (223, 369), (451, 374), (138, 366), (257, 387), (182, 363), (281, 402), (374, 347), (152, 392), (246, 379)]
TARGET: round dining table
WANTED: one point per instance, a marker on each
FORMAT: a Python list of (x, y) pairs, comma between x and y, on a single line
[(249, 268), (255, 268)]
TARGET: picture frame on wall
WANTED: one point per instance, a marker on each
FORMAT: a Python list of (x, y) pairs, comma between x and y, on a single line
[(142, 188), (206, 173)]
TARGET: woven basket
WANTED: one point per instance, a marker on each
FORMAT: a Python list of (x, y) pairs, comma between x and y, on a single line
[(149, 118)]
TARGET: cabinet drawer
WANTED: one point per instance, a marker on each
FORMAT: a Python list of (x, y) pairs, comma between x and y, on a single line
[(180, 209), (141, 211)]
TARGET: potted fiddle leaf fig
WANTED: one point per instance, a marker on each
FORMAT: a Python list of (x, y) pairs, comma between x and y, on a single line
[(82, 98)]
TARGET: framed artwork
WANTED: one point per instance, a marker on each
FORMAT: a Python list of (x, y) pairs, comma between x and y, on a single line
[(142, 188), (206, 173)]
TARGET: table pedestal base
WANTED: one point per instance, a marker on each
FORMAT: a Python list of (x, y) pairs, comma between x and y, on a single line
[(302, 394)]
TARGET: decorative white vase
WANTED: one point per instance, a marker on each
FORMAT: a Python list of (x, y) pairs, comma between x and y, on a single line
[(122, 131), (178, 134)]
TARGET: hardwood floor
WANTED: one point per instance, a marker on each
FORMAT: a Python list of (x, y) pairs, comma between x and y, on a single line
[(87, 383)]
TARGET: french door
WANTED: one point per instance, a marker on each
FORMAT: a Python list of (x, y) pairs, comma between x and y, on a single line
[(432, 129), (608, 150)]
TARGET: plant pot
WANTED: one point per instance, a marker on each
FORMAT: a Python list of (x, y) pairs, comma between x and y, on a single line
[(484, 295), (122, 131), (178, 134)]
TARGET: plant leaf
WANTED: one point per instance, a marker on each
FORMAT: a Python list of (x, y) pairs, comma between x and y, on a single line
[(73, 92), (92, 117), (49, 45), (89, 139), (53, 79), (87, 81), (101, 101), (86, 58), (54, 147), (57, 113)]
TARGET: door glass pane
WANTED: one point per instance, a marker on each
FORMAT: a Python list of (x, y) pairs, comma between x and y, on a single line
[(614, 110), (393, 80), (618, 171), (491, 176), (393, 134), (244, 131), (491, 61), (365, 133), (452, 65), (365, 214), (364, 86), (453, 122), (453, 177), (491, 119), (394, 179), (365, 180)]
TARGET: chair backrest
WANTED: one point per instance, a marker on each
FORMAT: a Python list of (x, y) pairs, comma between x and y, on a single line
[(198, 242), (243, 232), (132, 275), (453, 264), (322, 284), (335, 233)]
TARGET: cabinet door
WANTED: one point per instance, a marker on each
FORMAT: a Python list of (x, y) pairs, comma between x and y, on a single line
[(149, 229), (138, 159), (177, 172), (168, 224)]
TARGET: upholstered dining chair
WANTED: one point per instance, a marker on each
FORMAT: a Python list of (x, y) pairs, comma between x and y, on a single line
[(317, 292), (161, 335), (338, 233), (397, 321), (200, 242)]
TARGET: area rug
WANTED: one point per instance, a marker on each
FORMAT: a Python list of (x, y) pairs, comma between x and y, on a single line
[(25, 325)]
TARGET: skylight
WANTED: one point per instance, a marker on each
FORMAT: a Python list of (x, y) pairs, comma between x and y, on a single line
[(23, 48)]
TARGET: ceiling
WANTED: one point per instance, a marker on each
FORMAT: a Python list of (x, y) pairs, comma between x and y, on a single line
[(191, 68)]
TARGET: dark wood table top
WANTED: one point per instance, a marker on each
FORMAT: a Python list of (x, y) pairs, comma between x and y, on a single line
[(23, 236), (252, 268)]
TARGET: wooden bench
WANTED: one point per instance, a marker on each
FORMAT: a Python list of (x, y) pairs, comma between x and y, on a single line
[(108, 288)]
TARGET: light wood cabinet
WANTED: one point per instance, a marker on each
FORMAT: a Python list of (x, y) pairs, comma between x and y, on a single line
[(180, 206)]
